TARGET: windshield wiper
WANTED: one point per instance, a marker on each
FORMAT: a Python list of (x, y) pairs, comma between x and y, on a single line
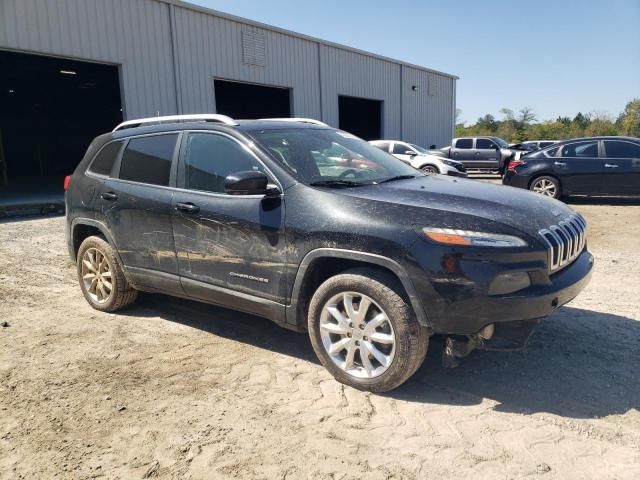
[(336, 183), (397, 177)]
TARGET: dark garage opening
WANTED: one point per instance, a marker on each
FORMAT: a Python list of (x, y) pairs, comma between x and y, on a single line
[(361, 116), (250, 101), (51, 109)]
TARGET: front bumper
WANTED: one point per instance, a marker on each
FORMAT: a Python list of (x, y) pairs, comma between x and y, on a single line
[(466, 309), (457, 173)]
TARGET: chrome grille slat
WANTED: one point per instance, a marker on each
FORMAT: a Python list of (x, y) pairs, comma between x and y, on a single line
[(565, 241)]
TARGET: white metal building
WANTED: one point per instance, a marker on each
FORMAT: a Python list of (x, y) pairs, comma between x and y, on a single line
[(80, 66)]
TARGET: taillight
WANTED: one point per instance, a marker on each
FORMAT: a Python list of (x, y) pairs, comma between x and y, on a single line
[(513, 164), (67, 180)]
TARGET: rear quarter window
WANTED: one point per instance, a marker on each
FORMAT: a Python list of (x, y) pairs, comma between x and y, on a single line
[(103, 162), (148, 159)]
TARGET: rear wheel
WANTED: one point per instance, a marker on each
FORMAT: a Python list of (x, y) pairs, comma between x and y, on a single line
[(545, 185), (364, 332), (101, 277)]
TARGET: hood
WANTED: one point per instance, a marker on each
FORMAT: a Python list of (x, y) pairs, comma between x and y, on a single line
[(519, 209)]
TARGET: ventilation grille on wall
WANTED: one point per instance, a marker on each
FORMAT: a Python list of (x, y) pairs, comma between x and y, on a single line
[(433, 86), (253, 50)]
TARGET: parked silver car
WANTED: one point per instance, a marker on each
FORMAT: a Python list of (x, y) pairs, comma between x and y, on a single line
[(420, 158)]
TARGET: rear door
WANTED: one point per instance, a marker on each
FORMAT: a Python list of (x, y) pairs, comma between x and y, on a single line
[(137, 208), (462, 150), (580, 168), (226, 242), (487, 153), (621, 168)]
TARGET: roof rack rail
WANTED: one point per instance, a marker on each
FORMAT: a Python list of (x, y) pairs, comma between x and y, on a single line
[(296, 119), (198, 117)]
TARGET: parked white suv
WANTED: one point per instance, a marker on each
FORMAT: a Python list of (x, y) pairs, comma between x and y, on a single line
[(420, 158)]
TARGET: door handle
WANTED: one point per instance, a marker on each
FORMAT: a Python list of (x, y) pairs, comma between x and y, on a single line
[(560, 164), (611, 165), (109, 196), (187, 207)]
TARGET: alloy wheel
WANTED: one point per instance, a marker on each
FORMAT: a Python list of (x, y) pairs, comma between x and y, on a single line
[(96, 275), (357, 335), (544, 187)]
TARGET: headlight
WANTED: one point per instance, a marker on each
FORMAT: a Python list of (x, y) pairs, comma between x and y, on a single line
[(450, 236), (450, 163)]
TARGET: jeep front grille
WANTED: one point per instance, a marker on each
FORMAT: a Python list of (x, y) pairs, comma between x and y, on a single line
[(565, 241)]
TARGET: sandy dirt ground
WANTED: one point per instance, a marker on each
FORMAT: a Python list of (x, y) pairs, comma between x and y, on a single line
[(174, 389)]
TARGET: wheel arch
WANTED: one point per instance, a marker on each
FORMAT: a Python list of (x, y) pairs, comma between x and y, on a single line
[(429, 164), (323, 263), (82, 228)]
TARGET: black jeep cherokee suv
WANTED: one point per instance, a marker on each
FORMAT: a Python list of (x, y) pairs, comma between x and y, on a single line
[(368, 255)]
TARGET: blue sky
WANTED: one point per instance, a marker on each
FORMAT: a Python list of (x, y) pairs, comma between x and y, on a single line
[(558, 57)]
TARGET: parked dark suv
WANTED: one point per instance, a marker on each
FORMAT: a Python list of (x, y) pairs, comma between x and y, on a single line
[(258, 217)]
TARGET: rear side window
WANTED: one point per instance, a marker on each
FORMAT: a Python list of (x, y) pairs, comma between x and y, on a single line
[(148, 159), (465, 143), (382, 146), (210, 158), (581, 149), (485, 144), (545, 144), (617, 149), (103, 163)]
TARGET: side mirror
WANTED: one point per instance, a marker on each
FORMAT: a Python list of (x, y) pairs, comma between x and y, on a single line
[(249, 182), (410, 152)]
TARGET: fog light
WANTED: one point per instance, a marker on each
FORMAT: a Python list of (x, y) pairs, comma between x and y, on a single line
[(509, 282)]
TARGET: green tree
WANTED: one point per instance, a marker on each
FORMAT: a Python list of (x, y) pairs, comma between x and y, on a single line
[(629, 120)]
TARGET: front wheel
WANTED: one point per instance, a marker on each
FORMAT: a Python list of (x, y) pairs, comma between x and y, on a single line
[(430, 169), (364, 332), (547, 186)]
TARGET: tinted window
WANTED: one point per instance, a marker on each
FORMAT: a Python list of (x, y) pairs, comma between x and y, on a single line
[(148, 159), (616, 149), (485, 143), (465, 143), (551, 152), (581, 149), (545, 144), (103, 163), (400, 149), (211, 158)]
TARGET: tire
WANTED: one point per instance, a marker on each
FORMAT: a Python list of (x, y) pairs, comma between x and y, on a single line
[(95, 254), (430, 169), (402, 357), (547, 186)]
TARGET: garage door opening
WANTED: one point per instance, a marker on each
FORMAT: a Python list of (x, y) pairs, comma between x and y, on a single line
[(250, 101), (361, 116), (51, 110)]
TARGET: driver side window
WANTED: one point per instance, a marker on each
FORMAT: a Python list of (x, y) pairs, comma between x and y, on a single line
[(401, 149), (210, 158)]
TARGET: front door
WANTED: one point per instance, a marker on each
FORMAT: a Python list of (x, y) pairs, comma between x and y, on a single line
[(225, 242), (621, 168), (136, 205), (487, 153), (580, 168), (400, 150)]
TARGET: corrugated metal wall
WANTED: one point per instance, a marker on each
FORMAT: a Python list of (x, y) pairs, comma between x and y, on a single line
[(169, 54), (349, 73), (133, 34)]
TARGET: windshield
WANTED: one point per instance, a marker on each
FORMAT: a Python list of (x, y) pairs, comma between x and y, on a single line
[(500, 142), (419, 148), (331, 157)]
